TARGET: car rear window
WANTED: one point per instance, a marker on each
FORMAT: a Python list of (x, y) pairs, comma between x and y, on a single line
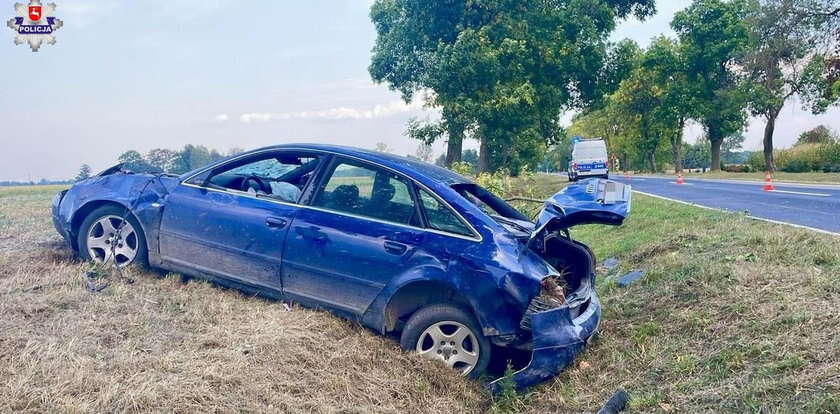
[(440, 217)]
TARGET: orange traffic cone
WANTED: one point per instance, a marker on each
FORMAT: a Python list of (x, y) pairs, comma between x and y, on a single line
[(768, 182), (680, 179)]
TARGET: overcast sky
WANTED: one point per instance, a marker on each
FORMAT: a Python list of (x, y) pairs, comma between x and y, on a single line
[(142, 74)]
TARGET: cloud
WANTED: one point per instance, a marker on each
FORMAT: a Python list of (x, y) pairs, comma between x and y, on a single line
[(337, 114), (221, 117)]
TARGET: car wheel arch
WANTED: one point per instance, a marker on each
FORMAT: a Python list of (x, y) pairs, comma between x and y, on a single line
[(84, 211), (414, 295)]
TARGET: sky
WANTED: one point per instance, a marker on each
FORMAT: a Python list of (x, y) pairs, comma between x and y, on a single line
[(142, 74)]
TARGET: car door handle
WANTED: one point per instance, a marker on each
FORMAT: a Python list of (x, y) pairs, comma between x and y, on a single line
[(275, 222), (395, 248)]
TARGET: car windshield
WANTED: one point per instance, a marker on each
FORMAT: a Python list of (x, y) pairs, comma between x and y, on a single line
[(491, 205)]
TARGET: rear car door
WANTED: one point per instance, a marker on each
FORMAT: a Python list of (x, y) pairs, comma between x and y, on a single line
[(361, 229), (231, 222)]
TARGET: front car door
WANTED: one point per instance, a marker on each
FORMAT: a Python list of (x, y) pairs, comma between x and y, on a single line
[(231, 222), (362, 229)]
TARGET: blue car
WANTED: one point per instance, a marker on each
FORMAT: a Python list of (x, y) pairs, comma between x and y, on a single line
[(402, 246)]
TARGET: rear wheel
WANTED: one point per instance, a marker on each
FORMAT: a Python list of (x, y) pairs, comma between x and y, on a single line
[(448, 334), (105, 237)]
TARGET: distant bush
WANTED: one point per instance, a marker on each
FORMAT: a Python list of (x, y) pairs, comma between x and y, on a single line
[(795, 166), (756, 161), (801, 158), (738, 168)]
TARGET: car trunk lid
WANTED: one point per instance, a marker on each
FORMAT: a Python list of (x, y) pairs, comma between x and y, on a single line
[(593, 201)]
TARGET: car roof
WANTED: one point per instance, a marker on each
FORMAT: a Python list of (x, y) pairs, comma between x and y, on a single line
[(417, 169)]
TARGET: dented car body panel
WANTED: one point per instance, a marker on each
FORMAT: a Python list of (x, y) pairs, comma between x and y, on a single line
[(363, 267)]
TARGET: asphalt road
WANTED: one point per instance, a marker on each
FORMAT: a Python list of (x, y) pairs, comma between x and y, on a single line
[(810, 205)]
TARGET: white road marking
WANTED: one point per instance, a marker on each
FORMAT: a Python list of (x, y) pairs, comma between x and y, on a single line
[(810, 186), (674, 182), (801, 193), (730, 211)]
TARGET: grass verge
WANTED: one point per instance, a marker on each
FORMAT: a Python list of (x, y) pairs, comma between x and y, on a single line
[(733, 315)]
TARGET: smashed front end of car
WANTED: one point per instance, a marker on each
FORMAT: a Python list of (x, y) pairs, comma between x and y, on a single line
[(565, 314)]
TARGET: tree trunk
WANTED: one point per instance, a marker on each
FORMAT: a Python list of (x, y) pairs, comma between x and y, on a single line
[(652, 162), (454, 145), (483, 155), (769, 129), (716, 143), (676, 147)]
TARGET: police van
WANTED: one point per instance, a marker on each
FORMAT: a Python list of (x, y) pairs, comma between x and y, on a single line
[(589, 159)]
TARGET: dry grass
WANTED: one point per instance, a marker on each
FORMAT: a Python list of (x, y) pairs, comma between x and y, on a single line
[(162, 345), (732, 316)]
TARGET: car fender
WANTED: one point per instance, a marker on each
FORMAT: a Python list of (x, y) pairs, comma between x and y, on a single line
[(143, 195)]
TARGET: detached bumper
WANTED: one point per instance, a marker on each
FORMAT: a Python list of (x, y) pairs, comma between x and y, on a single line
[(557, 340)]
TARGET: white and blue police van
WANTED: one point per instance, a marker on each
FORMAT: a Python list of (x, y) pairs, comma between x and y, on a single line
[(589, 159)]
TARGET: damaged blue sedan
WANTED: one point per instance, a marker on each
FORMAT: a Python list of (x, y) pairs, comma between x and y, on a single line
[(404, 247)]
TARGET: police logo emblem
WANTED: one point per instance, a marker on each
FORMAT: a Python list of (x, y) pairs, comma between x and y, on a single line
[(35, 24)]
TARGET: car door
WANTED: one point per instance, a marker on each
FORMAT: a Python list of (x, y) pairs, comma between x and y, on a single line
[(360, 230), (218, 224)]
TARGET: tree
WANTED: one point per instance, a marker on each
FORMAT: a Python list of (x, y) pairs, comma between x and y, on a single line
[(713, 34), (163, 159), (192, 157), (424, 152), (666, 65), (84, 173), (381, 147), (788, 55), (501, 71), (130, 156), (637, 102), (819, 135), (697, 155)]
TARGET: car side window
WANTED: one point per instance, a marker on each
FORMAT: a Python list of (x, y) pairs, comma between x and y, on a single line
[(440, 217), (367, 191), (278, 176)]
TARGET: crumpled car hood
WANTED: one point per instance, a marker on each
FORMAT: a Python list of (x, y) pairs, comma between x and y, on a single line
[(592, 201)]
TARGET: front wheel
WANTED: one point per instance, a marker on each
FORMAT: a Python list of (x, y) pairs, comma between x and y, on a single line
[(450, 335), (105, 237)]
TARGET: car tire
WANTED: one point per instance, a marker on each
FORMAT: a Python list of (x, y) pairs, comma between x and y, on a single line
[(425, 330), (93, 240)]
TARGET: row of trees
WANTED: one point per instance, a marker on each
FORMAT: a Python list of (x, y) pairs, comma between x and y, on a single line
[(186, 159), (730, 60), (503, 71)]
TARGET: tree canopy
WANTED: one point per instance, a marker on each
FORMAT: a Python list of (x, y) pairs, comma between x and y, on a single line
[(712, 35), (502, 71)]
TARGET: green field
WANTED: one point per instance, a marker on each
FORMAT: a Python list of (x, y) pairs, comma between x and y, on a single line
[(733, 315)]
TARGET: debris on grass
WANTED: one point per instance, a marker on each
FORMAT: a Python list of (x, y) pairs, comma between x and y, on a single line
[(609, 263), (628, 278), (617, 403)]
